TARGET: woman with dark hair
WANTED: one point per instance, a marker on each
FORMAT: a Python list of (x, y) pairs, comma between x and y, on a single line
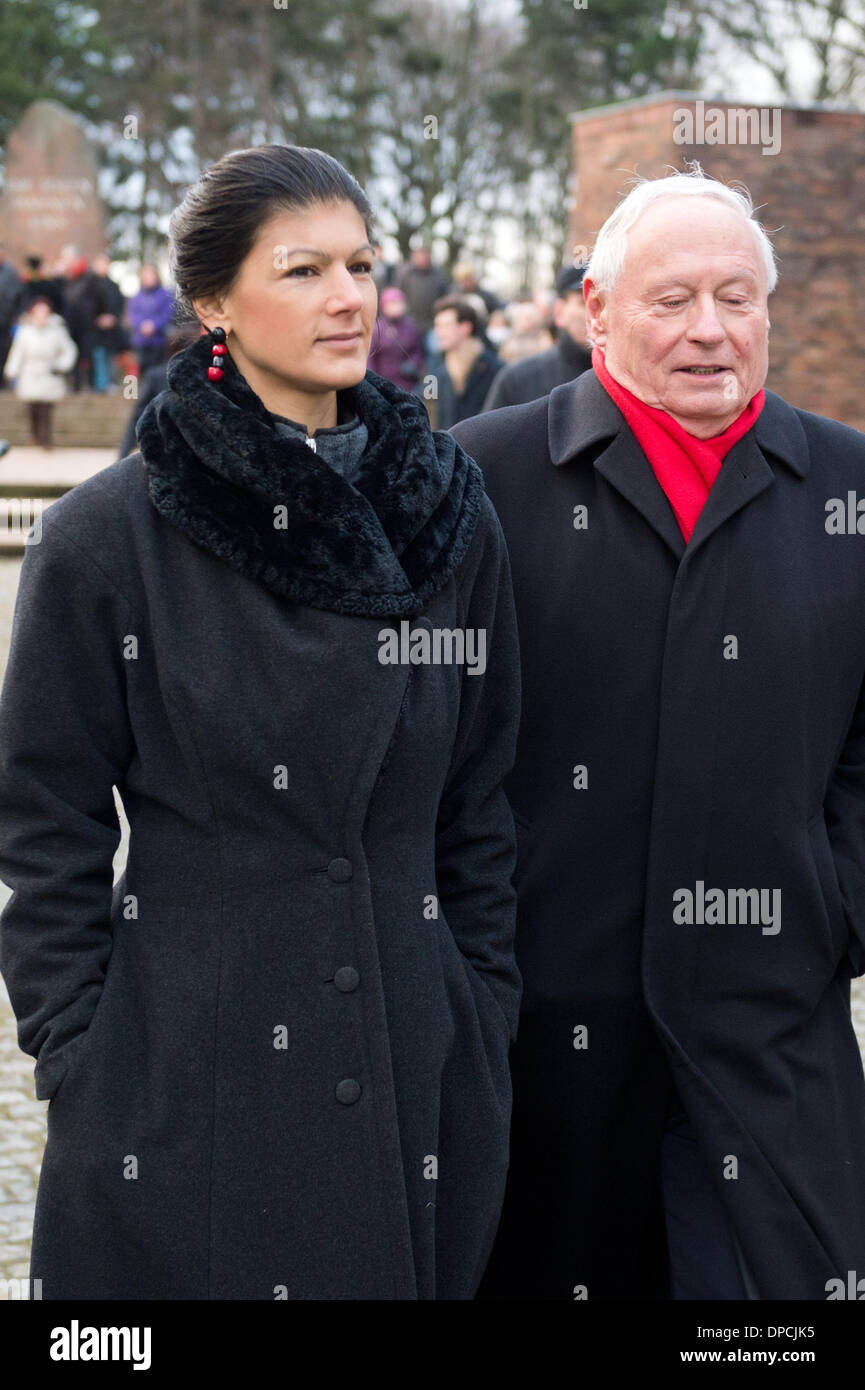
[(277, 1053)]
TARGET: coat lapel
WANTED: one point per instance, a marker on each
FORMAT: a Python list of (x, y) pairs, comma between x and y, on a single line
[(746, 471), (744, 475), (582, 417), (626, 467)]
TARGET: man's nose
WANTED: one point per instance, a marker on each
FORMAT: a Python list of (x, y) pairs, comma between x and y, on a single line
[(704, 325)]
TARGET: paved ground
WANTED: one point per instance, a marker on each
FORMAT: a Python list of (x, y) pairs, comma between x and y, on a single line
[(22, 1118), (27, 466)]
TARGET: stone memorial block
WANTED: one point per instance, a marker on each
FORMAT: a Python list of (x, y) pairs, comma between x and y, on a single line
[(50, 191)]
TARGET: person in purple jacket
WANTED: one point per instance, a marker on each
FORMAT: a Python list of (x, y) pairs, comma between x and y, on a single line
[(150, 312), (396, 349)]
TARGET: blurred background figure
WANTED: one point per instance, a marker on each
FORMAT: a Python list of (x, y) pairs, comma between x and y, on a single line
[(154, 379), (497, 328), (532, 377), (467, 367), (422, 283), (150, 312), (529, 331), (382, 271), (11, 303), (40, 283), (81, 302), (108, 336), (544, 299), (396, 348), (42, 352), (465, 282)]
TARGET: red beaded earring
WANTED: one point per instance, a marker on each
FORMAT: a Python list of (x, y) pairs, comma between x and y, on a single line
[(214, 371)]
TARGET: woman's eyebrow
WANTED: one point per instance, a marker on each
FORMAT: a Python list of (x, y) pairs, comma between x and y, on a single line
[(323, 255)]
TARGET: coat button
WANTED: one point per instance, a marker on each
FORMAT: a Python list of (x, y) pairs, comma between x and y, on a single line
[(339, 870), (346, 979), (348, 1091)]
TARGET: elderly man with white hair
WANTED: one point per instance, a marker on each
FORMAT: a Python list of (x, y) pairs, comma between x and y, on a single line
[(689, 791)]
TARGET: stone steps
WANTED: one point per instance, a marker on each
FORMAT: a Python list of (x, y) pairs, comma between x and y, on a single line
[(83, 419), (31, 479)]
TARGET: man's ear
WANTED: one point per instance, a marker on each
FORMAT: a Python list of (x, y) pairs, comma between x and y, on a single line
[(596, 313)]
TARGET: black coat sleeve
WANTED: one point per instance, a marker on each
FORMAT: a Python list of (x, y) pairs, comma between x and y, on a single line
[(65, 741), (475, 839)]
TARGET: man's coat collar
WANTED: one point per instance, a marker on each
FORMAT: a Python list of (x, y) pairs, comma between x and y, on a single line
[(581, 416)]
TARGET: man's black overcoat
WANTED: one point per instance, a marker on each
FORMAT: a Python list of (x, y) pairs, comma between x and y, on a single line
[(693, 719)]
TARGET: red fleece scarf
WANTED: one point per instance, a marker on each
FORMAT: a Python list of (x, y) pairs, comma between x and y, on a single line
[(686, 467)]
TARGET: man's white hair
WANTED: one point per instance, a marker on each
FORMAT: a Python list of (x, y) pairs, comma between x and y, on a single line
[(608, 256)]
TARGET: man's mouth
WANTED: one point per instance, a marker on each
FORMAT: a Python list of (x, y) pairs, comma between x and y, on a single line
[(703, 371)]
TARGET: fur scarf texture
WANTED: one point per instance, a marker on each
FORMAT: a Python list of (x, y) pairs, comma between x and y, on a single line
[(379, 545)]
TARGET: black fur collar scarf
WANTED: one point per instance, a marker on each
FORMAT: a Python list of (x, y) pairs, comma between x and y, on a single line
[(380, 545)]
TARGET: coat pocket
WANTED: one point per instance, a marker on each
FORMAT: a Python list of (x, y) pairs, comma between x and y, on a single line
[(824, 863), (77, 1050), (481, 1029)]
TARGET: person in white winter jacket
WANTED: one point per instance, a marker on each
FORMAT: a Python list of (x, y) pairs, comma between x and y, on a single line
[(42, 352)]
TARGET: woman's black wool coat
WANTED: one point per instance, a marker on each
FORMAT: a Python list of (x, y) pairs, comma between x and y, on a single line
[(691, 715), (277, 1053)]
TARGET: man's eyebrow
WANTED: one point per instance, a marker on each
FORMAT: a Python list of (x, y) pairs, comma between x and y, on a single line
[(659, 286), (323, 255)]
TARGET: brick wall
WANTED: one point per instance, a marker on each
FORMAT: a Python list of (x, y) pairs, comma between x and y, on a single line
[(813, 197)]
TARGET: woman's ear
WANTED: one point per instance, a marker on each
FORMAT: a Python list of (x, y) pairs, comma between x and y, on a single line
[(211, 313)]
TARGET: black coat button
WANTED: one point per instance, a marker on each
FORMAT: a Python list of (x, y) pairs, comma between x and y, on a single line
[(339, 870), (348, 1091), (346, 979)]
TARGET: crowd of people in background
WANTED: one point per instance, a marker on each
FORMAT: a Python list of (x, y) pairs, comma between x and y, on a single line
[(481, 351), (451, 340), (67, 326)]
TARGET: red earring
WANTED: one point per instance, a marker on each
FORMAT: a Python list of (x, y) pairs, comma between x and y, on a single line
[(214, 371)]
